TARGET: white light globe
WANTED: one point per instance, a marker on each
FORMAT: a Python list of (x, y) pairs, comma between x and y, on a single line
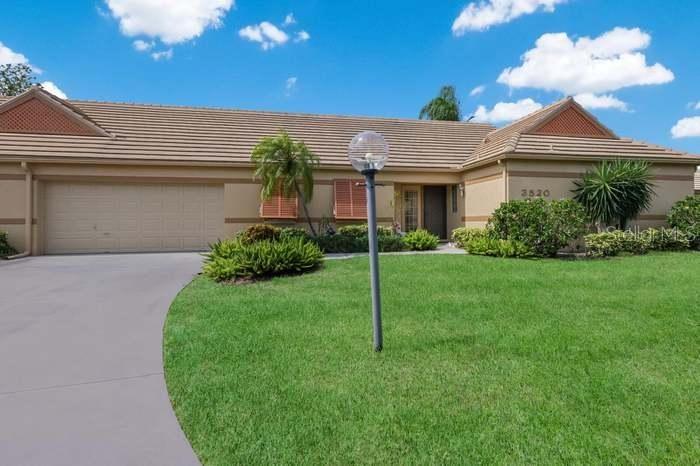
[(368, 151)]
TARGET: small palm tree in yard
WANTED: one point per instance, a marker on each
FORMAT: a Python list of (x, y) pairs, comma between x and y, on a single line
[(285, 165), (615, 192), (443, 107)]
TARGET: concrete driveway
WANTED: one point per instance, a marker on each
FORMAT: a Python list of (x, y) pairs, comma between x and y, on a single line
[(81, 370)]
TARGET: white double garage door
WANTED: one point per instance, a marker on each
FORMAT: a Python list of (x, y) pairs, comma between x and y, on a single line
[(131, 217)]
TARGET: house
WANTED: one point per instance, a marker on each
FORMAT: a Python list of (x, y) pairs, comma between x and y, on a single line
[(89, 177)]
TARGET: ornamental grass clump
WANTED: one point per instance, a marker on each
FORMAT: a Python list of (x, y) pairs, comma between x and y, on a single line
[(234, 259), (421, 240)]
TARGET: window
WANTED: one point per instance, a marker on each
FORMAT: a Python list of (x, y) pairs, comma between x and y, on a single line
[(279, 207), (350, 200), (454, 194), (410, 209)]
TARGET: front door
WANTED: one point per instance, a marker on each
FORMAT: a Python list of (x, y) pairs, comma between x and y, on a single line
[(435, 210)]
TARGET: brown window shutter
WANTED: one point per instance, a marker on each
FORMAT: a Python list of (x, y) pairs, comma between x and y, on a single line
[(350, 200), (279, 206)]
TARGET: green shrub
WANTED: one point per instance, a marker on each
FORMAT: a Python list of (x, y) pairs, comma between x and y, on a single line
[(666, 239), (261, 232), (613, 243), (5, 248), (292, 232), (358, 231), (345, 244), (544, 227), (488, 246), (333, 244), (389, 243), (461, 236), (421, 240), (685, 216), (235, 259)]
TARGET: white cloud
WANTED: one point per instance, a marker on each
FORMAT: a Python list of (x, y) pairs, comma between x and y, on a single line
[(506, 111), (50, 87), (9, 57), (302, 36), (266, 34), (477, 90), (290, 85), (162, 55), (143, 46), (481, 16), (606, 63), (687, 128), (593, 101), (171, 21), (289, 20), (697, 106)]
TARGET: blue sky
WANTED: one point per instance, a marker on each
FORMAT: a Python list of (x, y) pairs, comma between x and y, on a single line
[(639, 72)]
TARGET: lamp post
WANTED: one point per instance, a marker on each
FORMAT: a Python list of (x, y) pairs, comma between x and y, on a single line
[(368, 153)]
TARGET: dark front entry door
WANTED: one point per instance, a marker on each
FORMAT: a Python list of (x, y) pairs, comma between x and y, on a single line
[(435, 210)]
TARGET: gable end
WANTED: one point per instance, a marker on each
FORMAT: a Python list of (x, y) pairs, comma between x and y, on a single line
[(35, 113), (571, 121)]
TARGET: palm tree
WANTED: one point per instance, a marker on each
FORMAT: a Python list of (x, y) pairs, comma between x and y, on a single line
[(285, 165), (615, 192), (444, 107)]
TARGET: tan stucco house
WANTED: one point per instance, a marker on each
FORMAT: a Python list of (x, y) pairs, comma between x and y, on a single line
[(88, 177)]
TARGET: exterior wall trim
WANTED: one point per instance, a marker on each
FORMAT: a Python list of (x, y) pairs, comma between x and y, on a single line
[(230, 220), (484, 179), (543, 174), (16, 221)]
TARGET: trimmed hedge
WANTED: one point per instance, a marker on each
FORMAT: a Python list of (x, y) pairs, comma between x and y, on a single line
[(345, 244), (544, 227), (613, 243), (421, 240), (618, 242), (665, 239), (685, 216), (362, 230), (237, 259), (5, 248), (489, 246)]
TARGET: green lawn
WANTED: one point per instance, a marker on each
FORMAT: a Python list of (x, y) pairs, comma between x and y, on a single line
[(485, 361)]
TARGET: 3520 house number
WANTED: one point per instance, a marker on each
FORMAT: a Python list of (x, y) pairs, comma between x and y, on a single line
[(535, 193)]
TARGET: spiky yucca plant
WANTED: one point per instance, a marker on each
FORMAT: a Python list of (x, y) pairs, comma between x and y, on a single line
[(615, 192)]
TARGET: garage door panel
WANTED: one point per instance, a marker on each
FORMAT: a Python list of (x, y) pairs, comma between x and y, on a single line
[(112, 217)]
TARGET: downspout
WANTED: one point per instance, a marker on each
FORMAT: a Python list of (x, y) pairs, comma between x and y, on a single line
[(28, 213)]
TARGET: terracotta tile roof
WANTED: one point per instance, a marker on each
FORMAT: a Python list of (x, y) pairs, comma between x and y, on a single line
[(189, 134), (192, 135)]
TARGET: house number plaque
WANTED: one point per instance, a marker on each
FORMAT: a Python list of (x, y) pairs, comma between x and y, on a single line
[(535, 193)]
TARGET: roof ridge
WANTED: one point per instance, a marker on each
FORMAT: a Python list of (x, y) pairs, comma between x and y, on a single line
[(277, 112)]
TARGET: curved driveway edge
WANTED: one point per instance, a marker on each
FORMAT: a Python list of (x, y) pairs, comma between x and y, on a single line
[(81, 371)]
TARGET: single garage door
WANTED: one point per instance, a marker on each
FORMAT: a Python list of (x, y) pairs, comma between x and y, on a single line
[(127, 217)]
